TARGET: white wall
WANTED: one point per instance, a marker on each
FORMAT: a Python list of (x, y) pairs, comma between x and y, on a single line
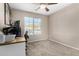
[(19, 15), (1, 13), (64, 26)]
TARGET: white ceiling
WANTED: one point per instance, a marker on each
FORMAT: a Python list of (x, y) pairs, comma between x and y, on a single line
[(32, 6)]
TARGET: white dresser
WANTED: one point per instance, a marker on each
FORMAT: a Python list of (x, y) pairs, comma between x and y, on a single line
[(14, 48), (17, 49)]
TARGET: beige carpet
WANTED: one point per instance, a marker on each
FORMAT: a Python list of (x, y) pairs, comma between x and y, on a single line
[(50, 48)]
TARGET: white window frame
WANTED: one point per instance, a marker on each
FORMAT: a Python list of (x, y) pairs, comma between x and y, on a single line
[(33, 26)]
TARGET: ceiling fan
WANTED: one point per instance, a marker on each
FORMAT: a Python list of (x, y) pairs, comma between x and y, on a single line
[(45, 6)]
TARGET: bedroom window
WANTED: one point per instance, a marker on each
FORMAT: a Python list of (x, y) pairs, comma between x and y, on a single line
[(32, 25)]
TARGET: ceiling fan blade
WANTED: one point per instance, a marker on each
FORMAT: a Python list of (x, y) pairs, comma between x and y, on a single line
[(37, 8), (52, 3)]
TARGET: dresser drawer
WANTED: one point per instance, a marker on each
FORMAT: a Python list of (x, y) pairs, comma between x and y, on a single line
[(17, 49)]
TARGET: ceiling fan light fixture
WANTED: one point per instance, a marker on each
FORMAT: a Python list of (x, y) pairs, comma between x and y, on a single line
[(46, 9), (42, 6)]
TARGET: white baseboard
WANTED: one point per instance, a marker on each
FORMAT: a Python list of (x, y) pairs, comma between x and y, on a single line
[(64, 44)]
